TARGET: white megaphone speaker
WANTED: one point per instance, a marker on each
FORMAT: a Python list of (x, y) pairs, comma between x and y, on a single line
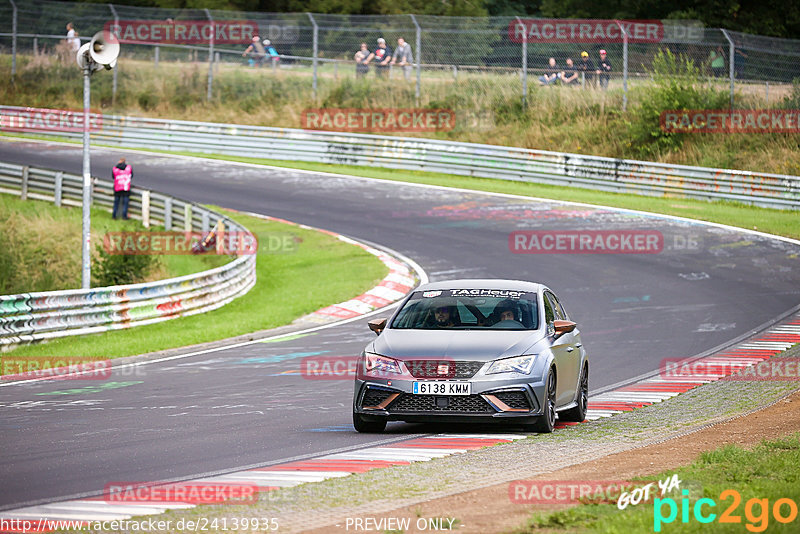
[(101, 51)]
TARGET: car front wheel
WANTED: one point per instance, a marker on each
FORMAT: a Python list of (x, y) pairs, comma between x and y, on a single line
[(547, 422), (578, 413), (369, 427)]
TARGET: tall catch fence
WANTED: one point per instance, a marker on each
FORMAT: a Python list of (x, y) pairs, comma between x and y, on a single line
[(506, 55)]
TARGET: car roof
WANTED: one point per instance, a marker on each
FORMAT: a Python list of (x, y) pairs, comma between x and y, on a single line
[(483, 283)]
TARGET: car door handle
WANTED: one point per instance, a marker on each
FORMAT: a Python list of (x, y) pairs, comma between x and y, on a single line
[(570, 349)]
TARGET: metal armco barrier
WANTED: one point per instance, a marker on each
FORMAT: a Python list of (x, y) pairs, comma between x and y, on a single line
[(419, 154), (32, 317)]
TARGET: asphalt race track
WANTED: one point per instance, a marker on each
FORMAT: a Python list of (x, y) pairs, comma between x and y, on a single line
[(250, 405)]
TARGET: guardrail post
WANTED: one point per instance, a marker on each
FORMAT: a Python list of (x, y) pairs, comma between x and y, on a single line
[(114, 78), (315, 54), (24, 193), (146, 209), (210, 55), (168, 214), (35, 45), (524, 64), (731, 48), (418, 57), (766, 96), (155, 56), (59, 188), (187, 217), (624, 66), (206, 223), (13, 39)]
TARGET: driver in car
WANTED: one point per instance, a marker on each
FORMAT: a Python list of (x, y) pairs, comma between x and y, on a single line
[(504, 311)]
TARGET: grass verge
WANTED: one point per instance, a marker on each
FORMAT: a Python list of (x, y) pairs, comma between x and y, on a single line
[(38, 252), (760, 477), (320, 271)]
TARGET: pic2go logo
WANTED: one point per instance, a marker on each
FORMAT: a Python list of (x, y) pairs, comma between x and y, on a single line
[(756, 511)]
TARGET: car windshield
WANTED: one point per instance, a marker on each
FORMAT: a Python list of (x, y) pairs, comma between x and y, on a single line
[(469, 309)]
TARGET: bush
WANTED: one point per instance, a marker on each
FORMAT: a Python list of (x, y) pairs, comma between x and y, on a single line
[(676, 86), (120, 269)]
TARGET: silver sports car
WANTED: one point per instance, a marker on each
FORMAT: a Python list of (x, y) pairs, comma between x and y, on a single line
[(473, 351)]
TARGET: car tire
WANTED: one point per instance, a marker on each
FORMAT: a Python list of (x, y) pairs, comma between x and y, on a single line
[(368, 427), (578, 413), (547, 422)]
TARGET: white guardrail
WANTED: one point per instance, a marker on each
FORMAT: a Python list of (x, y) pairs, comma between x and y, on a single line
[(32, 317), (486, 161)]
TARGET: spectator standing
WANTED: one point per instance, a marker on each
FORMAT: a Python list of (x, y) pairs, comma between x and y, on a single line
[(273, 54), (256, 52), (122, 174), (603, 68), (550, 75), (717, 58), (72, 37), (404, 55), (586, 67), (568, 75), (382, 56), (362, 65)]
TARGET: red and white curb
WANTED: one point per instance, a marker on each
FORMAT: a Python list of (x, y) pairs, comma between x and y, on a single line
[(774, 341), (342, 464)]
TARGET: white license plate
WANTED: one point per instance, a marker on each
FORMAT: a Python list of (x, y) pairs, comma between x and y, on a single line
[(442, 388)]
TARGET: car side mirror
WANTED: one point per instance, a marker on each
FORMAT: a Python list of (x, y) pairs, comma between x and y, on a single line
[(377, 325), (562, 327)]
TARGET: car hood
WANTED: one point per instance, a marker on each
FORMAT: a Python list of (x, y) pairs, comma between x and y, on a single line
[(477, 345)]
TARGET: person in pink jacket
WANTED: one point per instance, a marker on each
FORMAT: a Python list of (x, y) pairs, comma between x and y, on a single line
[(122, 173)]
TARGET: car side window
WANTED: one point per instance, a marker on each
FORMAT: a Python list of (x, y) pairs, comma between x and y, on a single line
[(549, 315), (555, 309), (559, 308)]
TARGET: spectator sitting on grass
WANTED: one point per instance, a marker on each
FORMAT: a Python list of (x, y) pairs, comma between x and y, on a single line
[(568, 75), (550, 75)]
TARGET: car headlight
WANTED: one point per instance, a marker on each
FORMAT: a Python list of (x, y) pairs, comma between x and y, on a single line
[(377, 365), (518, 364)]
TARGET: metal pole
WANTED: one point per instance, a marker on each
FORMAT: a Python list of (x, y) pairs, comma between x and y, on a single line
[(731, 52), (315, 53), (155, 57), (624, 66), (210, 56), (524, 64), (86, 270), (114, 82), (418, 57), (13, 40)]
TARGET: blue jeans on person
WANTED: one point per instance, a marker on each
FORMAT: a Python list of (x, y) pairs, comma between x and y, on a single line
[(121, 199)]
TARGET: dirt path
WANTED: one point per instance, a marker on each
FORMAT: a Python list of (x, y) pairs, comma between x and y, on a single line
[(490, 509)]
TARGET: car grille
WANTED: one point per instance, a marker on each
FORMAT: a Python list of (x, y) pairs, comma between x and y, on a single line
[(450, 368), (427, 403), (514, 399), (373, 396)]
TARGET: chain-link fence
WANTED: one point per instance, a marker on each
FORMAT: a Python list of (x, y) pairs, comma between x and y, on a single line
[(491, 57)]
